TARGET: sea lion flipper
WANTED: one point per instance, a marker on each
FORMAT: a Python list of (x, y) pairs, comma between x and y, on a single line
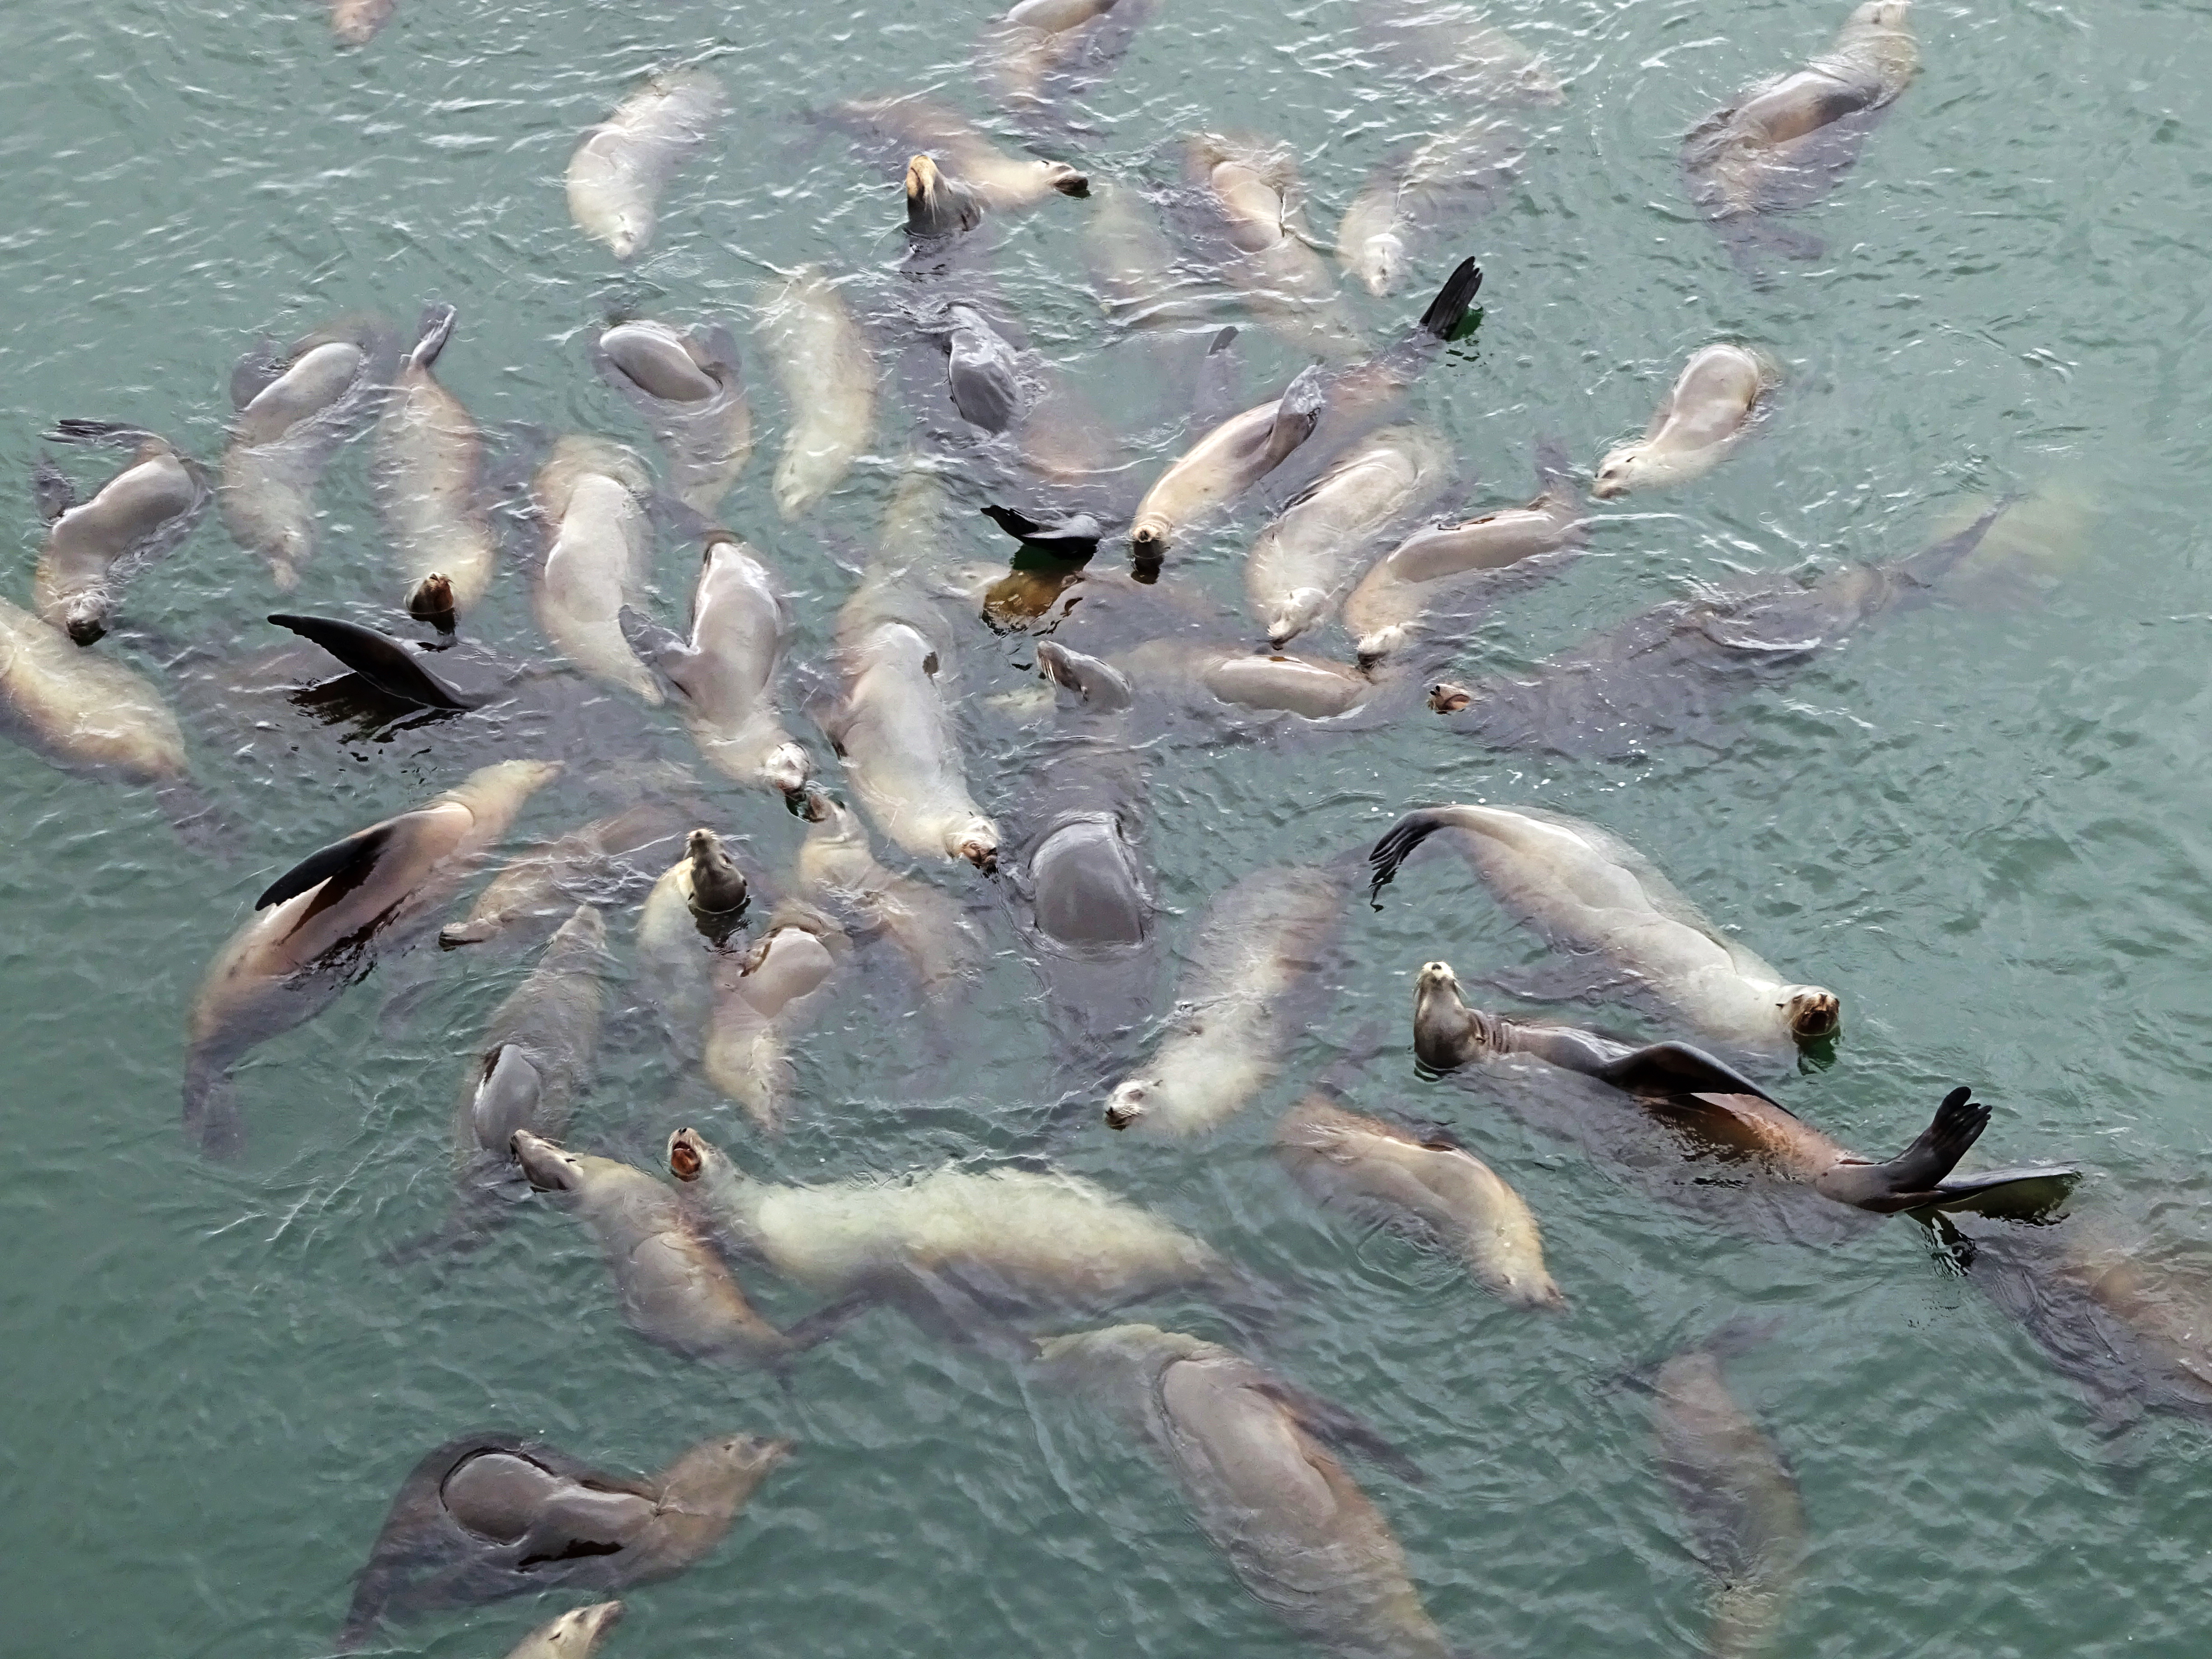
[(345, 863), (1401, 838), (2022, 1193), (1339, 1426), (51, 489), (1671, 1068), (379, 659), (1906, 1181), (660, 648), (1447, 312)]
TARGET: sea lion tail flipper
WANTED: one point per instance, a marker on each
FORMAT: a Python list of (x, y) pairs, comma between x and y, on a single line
[(1340, 1426), (823, 1323), (660, 648), (2032, 1192), (437, 328), (50, 490), (1676, 1068), (74, 430), (1447, 314), (381, 660), (1297, 410), (211, 1121), (343, 864), (1400, 839), (1220, 381)]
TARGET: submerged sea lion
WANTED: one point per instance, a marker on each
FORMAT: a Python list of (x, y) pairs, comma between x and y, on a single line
[(1456, 55), (321, 925), (1714, 401), (134, 518), (1396, 600), (1432, 1189), (674, 1290), (491, 1516), (1266, 683), (828, 375), (619, 170), (357, 21), (1258, 950), (429, 459), (576, 1634), (691, 392), (1044, 50), (836, 870), (761, 1001), (1736, 1493), (1247, 1449), (1586, 890), (591, 498), (1402, 207), (1253, 192), (541, 883)]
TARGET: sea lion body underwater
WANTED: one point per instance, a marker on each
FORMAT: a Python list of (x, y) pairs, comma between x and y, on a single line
[(491, 1516), (1714, 401), (975, 173), (428, 472), (319, 926), (835, 869), (85, 711), (357, 21), (1044, 50), (1587, 890), (1433, 1189), (539, 885), (691, 392), (1719, 1108), (134, 518), (690, 915), (761, 1000), (1252, 191), (1404, 205), (827, 374), (619, 170), (1246, 1447), (591, 497)]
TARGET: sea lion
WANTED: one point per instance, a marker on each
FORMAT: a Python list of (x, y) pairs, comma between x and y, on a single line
[(1135, 270), (997, 1242), (1784, 143), (429, 457), (1737, 1494), (1303, 561), (1585, 889), (1253, 193), (1441, 562), (822, 363), (971, 170), (395, 669), (693, 911), (84, 711), (762, 999), (619, 170), (540, 885), (536, 1056), (1455, 56), (691, 391), (982, 371), (136, 517), (1403, 206), (1246, 1447), (725, 675), (935, 206), (576, 1634), (674, 1290), (591, 499), (1275, 681), (835, 869), (1044, 50), (357, 21), (322, 925), (1713, 403), (1258, 949), (294, 409), (490, 1516), (1433, 1189)]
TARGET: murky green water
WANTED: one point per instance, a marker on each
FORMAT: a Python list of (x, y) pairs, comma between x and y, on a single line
[(1983, 822)]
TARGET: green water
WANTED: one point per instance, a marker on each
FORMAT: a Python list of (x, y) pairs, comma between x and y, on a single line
[(1983, 822)]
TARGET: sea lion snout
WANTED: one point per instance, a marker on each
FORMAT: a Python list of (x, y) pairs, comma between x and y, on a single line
[(686, 1159), (544, 1165), (432, 601), (978, 843), (1437, 976), (1447, 698)]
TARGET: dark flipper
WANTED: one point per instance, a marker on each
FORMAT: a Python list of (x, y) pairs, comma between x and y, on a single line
[(2032, 1192), (823, 1323), (211, 1120), (660, 648), (51, 489), (345, 863), (379, 659), (1339, 1426), (1673, 1069), (1907, 1180), (1220, 386), (75, 430), (1448, 311), (1401, 838)]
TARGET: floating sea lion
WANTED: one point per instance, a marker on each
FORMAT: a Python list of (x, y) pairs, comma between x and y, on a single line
[(691, 392), (822, 363), (693, 911), (1432, 1189), (1455, 56), (322, 924), (675, 1290), (619, 170), (429, 457), (294, 408), (835, 869), (86, 712), (1303, 561), (761, 1001), (707, 884), (974, 170), (1446, 179), (491, 1516), (541, 883), (576, 1634), (725, 675), (133, 519), (1252, 191), (391, 668), (1247, 1449), (1134, 270), (1276, 681), (1784, 143), (591, 498), (357, 21), (1044, 50), (1257, 953), (1587, 891), (1713, 403), (1737, 1495), (1396, 600)]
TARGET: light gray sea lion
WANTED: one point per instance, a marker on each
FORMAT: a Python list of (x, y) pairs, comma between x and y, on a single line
[(1253, 192), (1433, 1189), (322, 924), (835, 869), (976, 172), (1786, 142), (591, 498), (1257, 953), (619, 170), (357, 21), (1713, 403), (1246, 1447), (828, 375), (429, 461), (294, 409), (490, 1516), (1302, 562), (1586, 890), (133, 519), (1737, 1494), (1456, 57), (1400, 595), (762, 999), (576, 1634), (688, 386), (1405, 205), (539, 885), (674, 1290), (1044, 50), (1273, 681), (1134, 270)]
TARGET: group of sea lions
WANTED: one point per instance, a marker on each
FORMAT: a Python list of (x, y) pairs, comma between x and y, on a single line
[(735, 956)]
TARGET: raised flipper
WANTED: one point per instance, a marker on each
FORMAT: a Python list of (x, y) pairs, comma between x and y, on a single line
[(1401, 838), (1297, 413), (507, 1096), (2026, 1192), (1073, 538), (1675, 1068), (1338, 1426), (1908, 1180), (343, 864), (437, 329), (51, 489), (379, 659), (1446, 317)]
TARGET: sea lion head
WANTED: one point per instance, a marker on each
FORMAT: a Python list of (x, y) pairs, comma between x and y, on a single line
[(1148, 545), (1813, 1014), (1620, 472), (576, 1633), (1371, 650), (432, 601), (1882, 15), (1127, 1104), (1380, 264), (1097, 683), (935, 206), (1065, 179), (977, 840), (718, 886), (544, 1165), (787, 768), (84, 618), (717, 1475), (1447, 698), (689, 1154), (1301, 611)]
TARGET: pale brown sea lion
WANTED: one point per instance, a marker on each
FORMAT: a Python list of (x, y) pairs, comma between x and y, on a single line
[(1705, 414), (134, 518), (619, 170), (429, 461)]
